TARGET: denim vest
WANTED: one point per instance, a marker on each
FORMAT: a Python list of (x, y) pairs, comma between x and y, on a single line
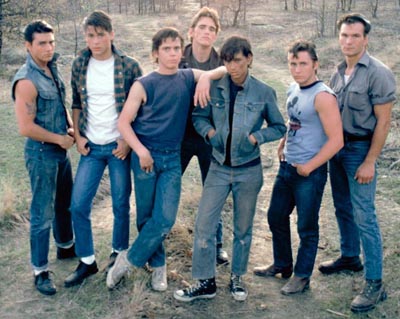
[(254, 105), (50, 112)]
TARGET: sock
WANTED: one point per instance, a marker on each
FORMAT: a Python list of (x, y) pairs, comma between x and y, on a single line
[(38, 272), (63, 246), (88, 260)]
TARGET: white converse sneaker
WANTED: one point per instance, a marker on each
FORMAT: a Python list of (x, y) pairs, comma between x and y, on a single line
[(121, 268), (159, 278)]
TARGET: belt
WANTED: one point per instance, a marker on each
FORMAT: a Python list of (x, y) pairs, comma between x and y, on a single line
[(356, 138)]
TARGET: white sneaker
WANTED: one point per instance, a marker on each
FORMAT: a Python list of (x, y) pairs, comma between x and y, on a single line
[(121, 268), (159, 278)]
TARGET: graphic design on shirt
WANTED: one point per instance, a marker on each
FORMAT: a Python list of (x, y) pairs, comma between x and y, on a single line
[(294, 113)]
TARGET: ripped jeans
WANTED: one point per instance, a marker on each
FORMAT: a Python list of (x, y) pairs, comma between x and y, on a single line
[(157, 199), (245, 184)]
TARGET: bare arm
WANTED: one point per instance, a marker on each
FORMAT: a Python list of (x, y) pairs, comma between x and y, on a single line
[(366, 171), (328, 112), (25, 109), (281, 146), (137, 96), (81, 141), (203, 78)]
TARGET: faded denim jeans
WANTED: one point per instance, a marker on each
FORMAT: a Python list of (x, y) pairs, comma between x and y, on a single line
[(49, 169), (87, 180), (157, 199), (305, 193), (196, 146), (245, 184), (355, 208)]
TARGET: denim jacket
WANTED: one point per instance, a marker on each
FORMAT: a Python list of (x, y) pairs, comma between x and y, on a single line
[(254, 104), (50, 113)]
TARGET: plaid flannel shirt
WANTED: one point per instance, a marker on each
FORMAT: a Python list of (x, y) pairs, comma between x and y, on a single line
[(126, 71)]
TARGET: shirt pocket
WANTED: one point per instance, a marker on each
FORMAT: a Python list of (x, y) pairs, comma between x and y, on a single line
[(218, 112), (253, 113), (358, 98), (48, 94)]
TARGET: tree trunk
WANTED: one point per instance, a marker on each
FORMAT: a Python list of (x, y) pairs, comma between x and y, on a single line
[(374, 8), (1, 27)]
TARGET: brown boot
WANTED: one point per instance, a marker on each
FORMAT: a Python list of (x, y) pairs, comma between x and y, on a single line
[(372, 293), (296, 285), (272, 271)]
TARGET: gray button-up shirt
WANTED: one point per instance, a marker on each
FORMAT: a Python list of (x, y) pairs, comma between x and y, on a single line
[(370, 84)]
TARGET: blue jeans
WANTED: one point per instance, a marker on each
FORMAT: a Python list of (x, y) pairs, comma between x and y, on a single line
[(355, 208), (305, 193), (245, 184), (50, 173), (157, 199), (196, 146), (87, 180)]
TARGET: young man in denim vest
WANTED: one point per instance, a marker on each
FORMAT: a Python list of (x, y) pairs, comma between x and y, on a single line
[(366, 91), (200, 54), (233, 123), (101, 79), (39, 94), (153, 123), (313, 136)]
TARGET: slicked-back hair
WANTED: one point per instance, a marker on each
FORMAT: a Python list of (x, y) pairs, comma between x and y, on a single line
[(37, 26), (303, 46), (352, 18), (163, 34), (98, 19), (234, 45), (206, 12)]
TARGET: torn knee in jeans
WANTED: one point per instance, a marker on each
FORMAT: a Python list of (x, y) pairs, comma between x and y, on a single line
[(203, 243)]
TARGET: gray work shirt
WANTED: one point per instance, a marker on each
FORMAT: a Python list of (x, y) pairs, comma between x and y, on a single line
[(371, 83)]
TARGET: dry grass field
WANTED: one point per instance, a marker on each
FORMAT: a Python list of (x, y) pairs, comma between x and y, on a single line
[(270, 29)]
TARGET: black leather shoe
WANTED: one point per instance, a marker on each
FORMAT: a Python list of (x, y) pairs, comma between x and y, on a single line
[(80, 274), (341, 264), (66, 253), (44, 284), (272, 271)]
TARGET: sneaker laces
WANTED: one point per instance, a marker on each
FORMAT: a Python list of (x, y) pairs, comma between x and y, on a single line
[(198, 286), (126, 266), (236, 284), (369, 289), (158, 274)]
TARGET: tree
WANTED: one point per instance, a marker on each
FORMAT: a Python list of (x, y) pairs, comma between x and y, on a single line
[(374, 8), (1, 26), (346, 5)]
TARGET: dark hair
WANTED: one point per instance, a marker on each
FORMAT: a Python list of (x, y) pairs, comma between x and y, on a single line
[(352, 18), (37, 26), (234, 45), (303, 46), (98, 19), (163, 34), (206, 12)]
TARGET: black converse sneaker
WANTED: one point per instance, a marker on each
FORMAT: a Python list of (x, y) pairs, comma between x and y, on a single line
[(203, 289), (238, 290)]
